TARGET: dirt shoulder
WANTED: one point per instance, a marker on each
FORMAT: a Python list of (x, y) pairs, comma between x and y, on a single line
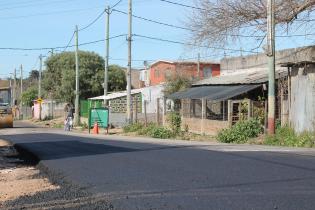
[(17, 178)]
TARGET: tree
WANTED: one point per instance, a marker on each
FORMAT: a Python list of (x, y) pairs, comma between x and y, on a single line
[(29, 95), (219, 22), (59, 76), (117, 78), (33, 75), (175, 84)]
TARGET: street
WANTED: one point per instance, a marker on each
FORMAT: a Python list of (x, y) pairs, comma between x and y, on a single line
[(143, 173)]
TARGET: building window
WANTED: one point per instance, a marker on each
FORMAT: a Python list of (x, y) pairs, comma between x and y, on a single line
[(207, 72)]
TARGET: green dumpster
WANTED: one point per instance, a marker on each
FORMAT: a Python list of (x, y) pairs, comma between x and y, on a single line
[(99, 116)]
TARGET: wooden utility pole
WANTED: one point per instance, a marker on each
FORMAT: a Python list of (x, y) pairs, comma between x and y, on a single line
[(129, 104), (40, 76), (271, 65), (106, 56), (77, 91), (198, 67), (14, 87), (40, 84), (21, 86)]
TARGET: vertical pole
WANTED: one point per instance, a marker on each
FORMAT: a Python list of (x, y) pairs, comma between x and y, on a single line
[(40, 84), (198, 67), (164, 111), (271, 65), (77, 114), (230, 113), (158, 111), (40, 75), (145, 113), (14, 88), (203, 114), (106, 56), (129, 63), (21, 103), (11, 91)]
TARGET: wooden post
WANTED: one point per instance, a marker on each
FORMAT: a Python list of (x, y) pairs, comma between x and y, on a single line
[(203, 114), (230, 112), (223, 110), (158, 111), (164, 111), (135, 110), (182, 107), (145, 113), (266, 116), (249, 109)]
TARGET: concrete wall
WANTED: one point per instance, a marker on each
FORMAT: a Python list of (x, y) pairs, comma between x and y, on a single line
[(49, 109), (231, 65), (302, 112), (211, 127)]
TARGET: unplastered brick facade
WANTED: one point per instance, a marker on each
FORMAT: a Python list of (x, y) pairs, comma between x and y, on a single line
[(119, 105), (161, 70)]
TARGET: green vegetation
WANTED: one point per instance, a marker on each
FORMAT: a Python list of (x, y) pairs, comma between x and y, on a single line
[(175, 84), (175, 122), (59, 78), (241, 132), (286, 136), (152, 130), (29, 95)]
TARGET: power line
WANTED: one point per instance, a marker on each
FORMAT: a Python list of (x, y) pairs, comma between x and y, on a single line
[(183, 5), (178, 42), (94, 21), (58, 47), (116, 4), (69, 42), (188, 29)]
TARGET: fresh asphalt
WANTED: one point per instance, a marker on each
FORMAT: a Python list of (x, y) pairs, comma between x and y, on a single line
[(137, 173)]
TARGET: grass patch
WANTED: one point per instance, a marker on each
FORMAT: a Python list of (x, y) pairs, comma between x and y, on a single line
[(286, 136), (153, 130)]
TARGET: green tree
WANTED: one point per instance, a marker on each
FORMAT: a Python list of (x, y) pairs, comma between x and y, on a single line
[(29, 95), (59, 76), (175, 84)]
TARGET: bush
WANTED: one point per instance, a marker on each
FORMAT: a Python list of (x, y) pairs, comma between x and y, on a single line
[(286, 136), (161, 133), (134, 127), (241, 132), (175, 122), (146, 130)]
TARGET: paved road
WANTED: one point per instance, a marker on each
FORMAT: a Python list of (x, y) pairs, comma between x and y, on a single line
[(138, 173)]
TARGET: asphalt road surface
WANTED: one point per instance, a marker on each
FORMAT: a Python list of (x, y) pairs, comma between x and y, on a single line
[(139, 173)]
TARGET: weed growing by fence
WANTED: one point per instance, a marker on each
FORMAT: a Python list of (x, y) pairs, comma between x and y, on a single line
[(286, 136), (241, 132)]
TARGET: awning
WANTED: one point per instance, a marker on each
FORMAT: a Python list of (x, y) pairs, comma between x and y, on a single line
[(215, 93)]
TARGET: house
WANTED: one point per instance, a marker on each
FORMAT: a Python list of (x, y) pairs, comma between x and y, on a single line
[(216, 103), (161, 70)]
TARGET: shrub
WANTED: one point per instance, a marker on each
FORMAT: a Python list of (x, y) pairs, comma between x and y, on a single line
[(241, 132), (132, 127), (146, 130), (175, 122), (161, 133), (286, 136)]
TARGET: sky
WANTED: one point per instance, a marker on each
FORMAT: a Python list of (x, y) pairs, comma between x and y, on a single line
[(51, 23)]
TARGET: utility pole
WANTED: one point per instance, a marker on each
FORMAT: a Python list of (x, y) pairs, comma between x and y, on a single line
[(198, 67), (129, 104), (77, 114), (40, 76), (271, 64), (21, 103), (11, 90), (106, 56), (14, 87), (40, 84)]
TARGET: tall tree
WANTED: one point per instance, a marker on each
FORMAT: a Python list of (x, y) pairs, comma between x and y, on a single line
[(59, 76), (217, 22)]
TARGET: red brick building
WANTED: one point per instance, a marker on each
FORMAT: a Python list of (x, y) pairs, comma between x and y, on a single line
[(161, 70)]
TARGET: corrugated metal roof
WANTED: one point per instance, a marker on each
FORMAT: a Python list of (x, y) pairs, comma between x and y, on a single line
[(244, 76), (116, 95), (215, 93)]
